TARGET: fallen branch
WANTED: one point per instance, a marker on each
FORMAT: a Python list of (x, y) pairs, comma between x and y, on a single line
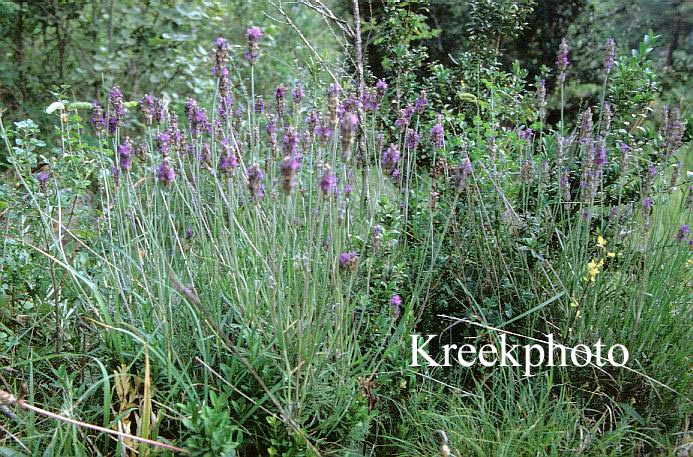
[(8, 399)]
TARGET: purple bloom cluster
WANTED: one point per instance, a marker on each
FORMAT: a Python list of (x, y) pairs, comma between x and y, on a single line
[(288, 169), (380, 87), (298, 93), (396, 305), (562, 61), (421, 102), (255, 186), (42, 178), (259, 104), (404, 118), (221, 58), (312, 120), (370, 101), (253, 34), (290, 141), (609, 55), (148, 106), (117, 111), (97, 119), (280, 96), (682, 234), (600, 154), (125, 155), (411, 139), (271, 130), (541, 98), (228, 160), (672, 130), (437, 136), (165, 173), (647, 203), (347, 131), (324, 131), (328, 182), (390, 159), (163, 142), (174, 130), (564, 184), (197, 118), (333, 104), (586, 126), (526, 134), (348, 260)]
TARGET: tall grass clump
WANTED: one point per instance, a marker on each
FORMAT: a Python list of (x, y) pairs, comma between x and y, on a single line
[(226, 271), (241, 274)]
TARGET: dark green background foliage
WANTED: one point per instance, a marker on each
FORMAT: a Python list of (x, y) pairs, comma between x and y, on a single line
[(160, 47)]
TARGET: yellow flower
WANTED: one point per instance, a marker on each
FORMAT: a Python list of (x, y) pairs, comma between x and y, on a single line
[(593, 268), (601, 242), (611, 254)]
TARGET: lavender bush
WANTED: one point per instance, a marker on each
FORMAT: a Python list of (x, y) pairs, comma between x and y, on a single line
[(250, 271)]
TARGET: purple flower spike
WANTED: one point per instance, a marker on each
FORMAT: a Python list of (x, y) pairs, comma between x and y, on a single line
[(347, 130), (412, 139), (42, 177), (255, 186), (280, 95), (609, 55), (562, 61), (290, 142), (288, 169), (396, 305), (526, 134), (221, 58), (333, 104), (228, 160), (682, 234), (390, 159), (253, 34), (163, 142), (348, 260), (165, 173), (380, 87), (600, 154), (117, 113), (148, 105), (328, 182), (259, 104), (97, 119), (404, 118), (125, 155), (297, 93), (437, 136), (421, 103)]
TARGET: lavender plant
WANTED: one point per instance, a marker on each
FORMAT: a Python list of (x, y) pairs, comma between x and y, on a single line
[(240, 271)]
